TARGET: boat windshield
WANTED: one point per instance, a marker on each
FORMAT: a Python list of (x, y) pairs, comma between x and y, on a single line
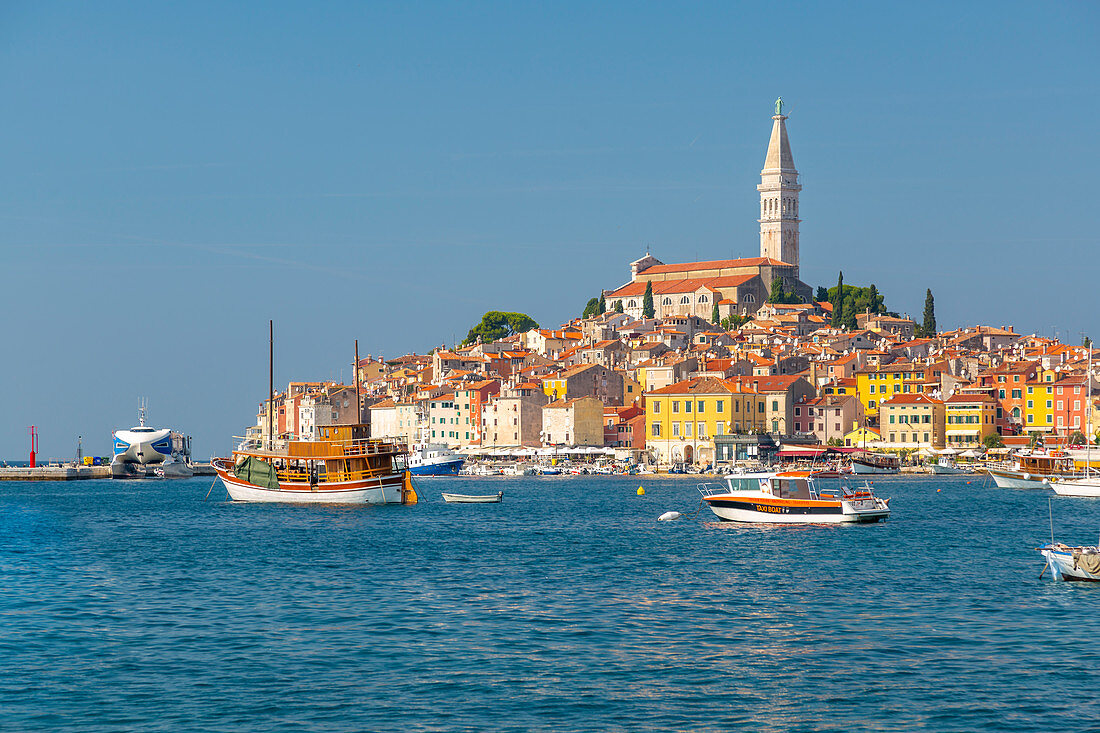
[(744, 484), (143, 430)]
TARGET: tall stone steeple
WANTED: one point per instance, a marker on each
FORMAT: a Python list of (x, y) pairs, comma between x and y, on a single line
[(779, 189)]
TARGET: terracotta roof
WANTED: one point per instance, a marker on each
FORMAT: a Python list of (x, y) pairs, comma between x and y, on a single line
[(687, 285), (910, 399), (716, 264)]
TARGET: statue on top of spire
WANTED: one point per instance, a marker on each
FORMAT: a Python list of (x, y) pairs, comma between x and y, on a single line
[(779, 106)]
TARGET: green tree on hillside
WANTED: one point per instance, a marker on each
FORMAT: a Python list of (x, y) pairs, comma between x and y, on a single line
[(714, 313), (618, 306), (496, 325), (837, 299), (928, 328), (603, 304), (779, 295), (822, 295), (591, 308), (647, 301)]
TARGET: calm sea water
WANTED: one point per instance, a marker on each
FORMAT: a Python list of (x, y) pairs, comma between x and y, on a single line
[(137, 605)]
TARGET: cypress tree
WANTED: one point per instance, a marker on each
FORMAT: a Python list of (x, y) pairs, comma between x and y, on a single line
[(873, 297), (647, 301), (838, 303), (928, 329), (603, 304), (618, 306), (714, 314)]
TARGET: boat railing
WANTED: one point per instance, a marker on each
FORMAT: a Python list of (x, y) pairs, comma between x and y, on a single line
[(709, 488)]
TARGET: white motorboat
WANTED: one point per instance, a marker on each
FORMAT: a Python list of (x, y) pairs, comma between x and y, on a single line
[(947, 467), (434, 459), (474, 498), (791, 497)]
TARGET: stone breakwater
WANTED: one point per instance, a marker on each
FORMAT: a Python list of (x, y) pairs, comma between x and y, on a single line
[(75, 473)]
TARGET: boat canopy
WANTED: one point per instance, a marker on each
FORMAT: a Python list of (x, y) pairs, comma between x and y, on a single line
[(256, 472)]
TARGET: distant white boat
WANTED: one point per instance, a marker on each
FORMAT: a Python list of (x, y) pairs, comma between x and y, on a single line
[(434, 459), (947, 467), (474, 499), (142, 445)]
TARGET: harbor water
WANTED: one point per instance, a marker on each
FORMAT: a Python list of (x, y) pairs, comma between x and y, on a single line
[(140, 606)]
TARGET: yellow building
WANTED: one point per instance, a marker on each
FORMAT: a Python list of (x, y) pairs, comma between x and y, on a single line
[(1038, 414), (911, 421), (861, 438), (880, 383), (970, 420), (683, 418)]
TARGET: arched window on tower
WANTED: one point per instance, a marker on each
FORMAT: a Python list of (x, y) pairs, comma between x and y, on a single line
[(685, 300), (750, 298), (703, 298), (666, 301)]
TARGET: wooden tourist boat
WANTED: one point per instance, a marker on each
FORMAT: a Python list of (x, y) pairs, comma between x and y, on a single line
[(352, 471), (791, 497), (875, 463), (1034, 471), (347, 467)]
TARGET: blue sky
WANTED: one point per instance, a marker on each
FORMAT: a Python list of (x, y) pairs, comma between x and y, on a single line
[(175, 175)]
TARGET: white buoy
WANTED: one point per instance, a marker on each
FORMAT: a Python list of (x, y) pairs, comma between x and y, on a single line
[(669, 516)]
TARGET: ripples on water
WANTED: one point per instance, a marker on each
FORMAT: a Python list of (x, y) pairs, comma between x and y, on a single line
[(568, 607)]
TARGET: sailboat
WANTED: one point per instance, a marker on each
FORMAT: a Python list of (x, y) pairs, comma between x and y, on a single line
[(1089, 484), (351, 468)]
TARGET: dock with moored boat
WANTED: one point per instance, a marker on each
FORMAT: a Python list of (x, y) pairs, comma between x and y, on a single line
[(78, 473)]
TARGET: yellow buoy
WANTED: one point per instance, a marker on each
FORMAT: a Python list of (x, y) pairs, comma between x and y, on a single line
[(641, 491), (938, 490)]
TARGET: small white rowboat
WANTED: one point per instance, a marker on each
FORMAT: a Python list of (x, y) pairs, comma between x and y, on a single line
[(468, 499)]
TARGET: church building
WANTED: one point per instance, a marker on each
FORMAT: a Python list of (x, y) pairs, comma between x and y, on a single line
[(739, 286)]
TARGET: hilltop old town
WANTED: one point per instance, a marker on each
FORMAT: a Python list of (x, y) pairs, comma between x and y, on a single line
[(702, 362)]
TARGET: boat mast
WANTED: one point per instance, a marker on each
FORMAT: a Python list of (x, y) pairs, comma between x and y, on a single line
[(270, 383), (358, 404), (1088, 420)]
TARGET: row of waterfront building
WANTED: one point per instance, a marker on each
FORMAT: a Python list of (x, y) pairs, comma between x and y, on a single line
[(680, 388)]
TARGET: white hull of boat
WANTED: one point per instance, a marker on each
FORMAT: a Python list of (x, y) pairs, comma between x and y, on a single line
[(386, 490), (862, 468), (740, 508), (1014, 480), (1084, 487), (1062, 566), (947, 470), (474, 499)]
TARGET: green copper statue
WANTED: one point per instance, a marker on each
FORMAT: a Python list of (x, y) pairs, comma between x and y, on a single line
[(779, 106)]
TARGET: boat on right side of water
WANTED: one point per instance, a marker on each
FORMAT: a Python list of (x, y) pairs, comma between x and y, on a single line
[(1071, 563), (1034, 471), (791, 497)]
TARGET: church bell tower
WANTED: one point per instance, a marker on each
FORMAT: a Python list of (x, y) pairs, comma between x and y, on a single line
[(779, 189)]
